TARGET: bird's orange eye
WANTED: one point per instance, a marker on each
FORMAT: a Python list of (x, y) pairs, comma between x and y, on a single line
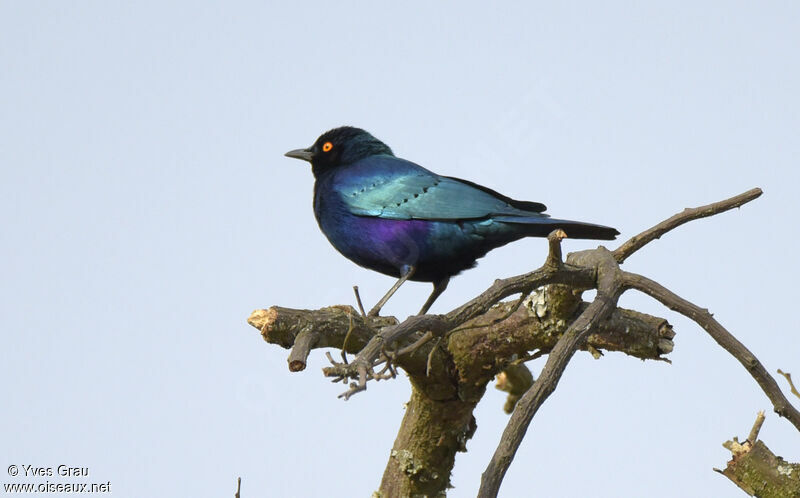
[(327, 146)]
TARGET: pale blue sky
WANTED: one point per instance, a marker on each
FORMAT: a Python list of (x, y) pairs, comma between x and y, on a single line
[(146, 209)]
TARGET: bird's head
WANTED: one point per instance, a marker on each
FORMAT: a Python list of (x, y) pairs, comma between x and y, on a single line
[(340, 147)]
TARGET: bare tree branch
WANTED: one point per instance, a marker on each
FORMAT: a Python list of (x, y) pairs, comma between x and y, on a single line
[(611, 283), (724, 338), (608, 291), (534, 326), (303, 330), (689, 214)]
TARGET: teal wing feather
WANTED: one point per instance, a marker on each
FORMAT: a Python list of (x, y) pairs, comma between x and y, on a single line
[(394, 188)]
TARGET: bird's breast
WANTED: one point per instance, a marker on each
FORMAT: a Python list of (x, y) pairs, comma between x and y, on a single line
[(379, 244)]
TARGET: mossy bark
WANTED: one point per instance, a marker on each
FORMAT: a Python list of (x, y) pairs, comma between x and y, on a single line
[(424, 452), (759, 472)]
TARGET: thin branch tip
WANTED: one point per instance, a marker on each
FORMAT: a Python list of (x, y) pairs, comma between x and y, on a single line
[(760, 417), (689, 214), (788, 378)]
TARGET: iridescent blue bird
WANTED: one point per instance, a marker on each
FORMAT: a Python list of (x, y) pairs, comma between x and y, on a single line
[(396, 217)]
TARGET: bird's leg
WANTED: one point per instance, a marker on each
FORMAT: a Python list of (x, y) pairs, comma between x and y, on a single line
[(438, 287), (406, 272)]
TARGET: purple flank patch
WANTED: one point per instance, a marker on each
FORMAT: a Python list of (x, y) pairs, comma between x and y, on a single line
[(399, 241)]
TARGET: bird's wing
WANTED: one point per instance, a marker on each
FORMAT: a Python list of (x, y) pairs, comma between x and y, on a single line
[(393, 188)]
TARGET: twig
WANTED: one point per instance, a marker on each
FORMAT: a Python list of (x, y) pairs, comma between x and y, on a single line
[(756, 427), (497, 320), (347, 336), (356, 387), (724, 338), (382, 375), (238, 487), (638, 241), (358, 301), (788, 377), (416, 345), (536, 354), (609, 289), (335, 379)]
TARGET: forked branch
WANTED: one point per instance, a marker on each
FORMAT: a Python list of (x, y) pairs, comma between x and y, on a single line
[(611, 283), (608, 290)]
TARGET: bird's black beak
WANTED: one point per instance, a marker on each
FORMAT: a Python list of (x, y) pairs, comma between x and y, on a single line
[(304, 154)]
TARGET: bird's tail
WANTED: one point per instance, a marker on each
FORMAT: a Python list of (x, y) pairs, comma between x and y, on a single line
[(540, 226)]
